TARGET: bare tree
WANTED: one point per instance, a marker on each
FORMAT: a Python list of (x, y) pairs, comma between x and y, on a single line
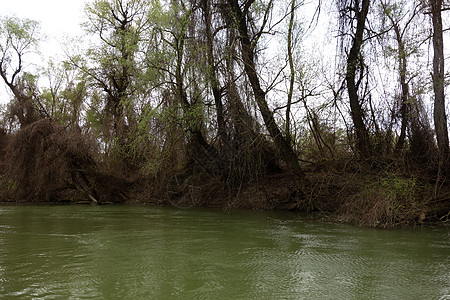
[(248, 46), (355, 12), (394, 12)]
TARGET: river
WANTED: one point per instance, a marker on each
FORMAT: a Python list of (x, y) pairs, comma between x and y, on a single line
[(144, 252)]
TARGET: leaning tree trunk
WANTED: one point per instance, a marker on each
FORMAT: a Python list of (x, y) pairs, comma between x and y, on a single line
[(248, 58), (292, 73)]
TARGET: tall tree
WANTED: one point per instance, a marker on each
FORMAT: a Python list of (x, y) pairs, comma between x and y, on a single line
[(114, 65), (19, 37), (64, 98), (355, 12), (240, 13), (400, 22), (440, 117), (290, 45), (187, 65), (217, 90)]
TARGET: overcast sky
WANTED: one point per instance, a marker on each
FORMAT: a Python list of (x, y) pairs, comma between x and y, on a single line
[(57, 17)]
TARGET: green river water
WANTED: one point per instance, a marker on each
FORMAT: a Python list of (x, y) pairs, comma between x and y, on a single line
[(143, 252)]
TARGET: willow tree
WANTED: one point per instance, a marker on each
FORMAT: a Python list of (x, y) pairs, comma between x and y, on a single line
[(114, 65), (186, 69), (212, 68), (290, 46), (18, 38), (65, 96), (244, 151)]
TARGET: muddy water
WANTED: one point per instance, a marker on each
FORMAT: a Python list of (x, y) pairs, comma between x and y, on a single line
[(140, 252)]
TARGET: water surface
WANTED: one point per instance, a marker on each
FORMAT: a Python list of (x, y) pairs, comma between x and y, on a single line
[(141, 252)]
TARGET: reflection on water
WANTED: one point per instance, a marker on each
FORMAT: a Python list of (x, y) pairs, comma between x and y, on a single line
[(139, 252)]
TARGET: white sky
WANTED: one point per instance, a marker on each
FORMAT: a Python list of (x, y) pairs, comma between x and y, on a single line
[(58, 18)]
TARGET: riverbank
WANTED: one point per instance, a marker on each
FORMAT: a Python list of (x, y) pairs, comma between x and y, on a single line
[(337, 191), (39, 164), (373, 202), (372, 199)]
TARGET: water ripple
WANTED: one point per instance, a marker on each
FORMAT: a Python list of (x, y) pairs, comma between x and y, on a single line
[(155, 253)]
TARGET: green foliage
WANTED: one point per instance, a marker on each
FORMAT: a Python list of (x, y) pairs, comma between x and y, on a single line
[(260, 7), (398, 188), (390, 200), (157, 14), (17, 33), (64, 98), (17, 38), (193, 117), (94, 117), (7, 185), (151, 144), (115, 72)]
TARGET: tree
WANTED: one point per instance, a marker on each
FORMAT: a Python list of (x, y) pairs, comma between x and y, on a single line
[(64, 98), (19, 37), (114, 65), (239, 14), (290, 45), (406, 46), (184, 71), (355, 13), (440, 117), (217, 90)]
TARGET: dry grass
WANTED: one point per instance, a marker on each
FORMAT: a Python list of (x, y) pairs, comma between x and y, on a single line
[(46, 163), (385, 202)]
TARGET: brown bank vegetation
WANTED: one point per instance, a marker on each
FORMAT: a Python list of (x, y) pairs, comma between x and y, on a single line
[(43, 163)]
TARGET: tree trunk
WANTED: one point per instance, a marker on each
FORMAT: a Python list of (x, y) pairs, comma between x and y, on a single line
[(281, 143), (440, 118), (292, 74), (405, 106), (353, 60), (212, 74), (201, 151)]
